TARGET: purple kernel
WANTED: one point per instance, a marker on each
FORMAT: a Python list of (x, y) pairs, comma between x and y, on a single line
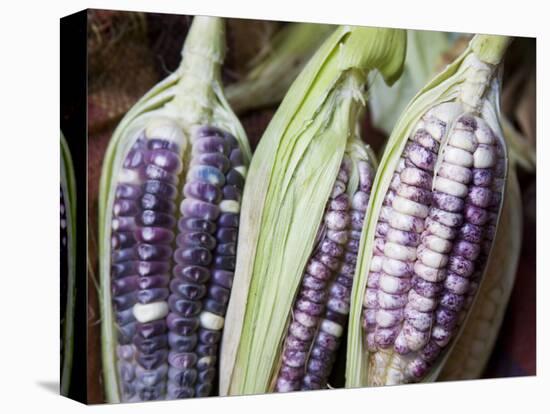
[(210, 337), (219, 294), (216, 160), (482, 177), (202, 191), (214, 307), (184, 307), (222, 278), (150, 345), (230, 192), (192, 273), (226, 249), (196, 224), (236, 157), (153, 360), (129, 191), (182, 360), (181, 326), (196, 239), (448, 202), (151, 329), (160, 189), (199, 209), (156, 219), (228, 220), (182, 343), (152, 295), (479, 196), (225, 262), (193, 256), (452, 301)]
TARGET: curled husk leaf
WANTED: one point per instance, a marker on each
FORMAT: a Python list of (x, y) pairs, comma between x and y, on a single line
[(424, 48)]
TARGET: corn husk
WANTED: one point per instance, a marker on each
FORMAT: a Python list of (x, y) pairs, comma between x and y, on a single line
[(68, 186), (290, 179), (424, 48), (460, 80)]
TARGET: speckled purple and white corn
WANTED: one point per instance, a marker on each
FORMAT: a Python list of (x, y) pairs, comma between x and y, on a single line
[(322, 305), (335, 316), (432, 226), (160, 293)]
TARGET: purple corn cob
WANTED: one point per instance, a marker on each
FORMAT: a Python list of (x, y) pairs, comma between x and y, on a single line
[(431, 228), (322, 306), (170, 302)]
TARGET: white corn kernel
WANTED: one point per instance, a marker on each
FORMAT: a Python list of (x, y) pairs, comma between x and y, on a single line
[(399, 252), (438, 244), (484, 157), (150, 311), (458, 156), (211, 321), (433, 259), (463, 139), (451, 187), (230, 206), (332, 328), (409, 207)]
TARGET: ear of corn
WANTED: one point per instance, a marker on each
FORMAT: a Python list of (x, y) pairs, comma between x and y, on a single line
[(67, 209), (435, 204), (276, 66), (309, 147), (169, 208)]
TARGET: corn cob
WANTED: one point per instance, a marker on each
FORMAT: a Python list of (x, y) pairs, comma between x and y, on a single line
[(67, 239), (303, 207), (276, 66), (169, 206), (434, 210)]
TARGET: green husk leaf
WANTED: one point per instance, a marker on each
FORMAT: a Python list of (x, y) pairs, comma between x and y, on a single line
[(68, 186), (445, 87), (192, 95), (290, 179), (276, 66), (424, 48)]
